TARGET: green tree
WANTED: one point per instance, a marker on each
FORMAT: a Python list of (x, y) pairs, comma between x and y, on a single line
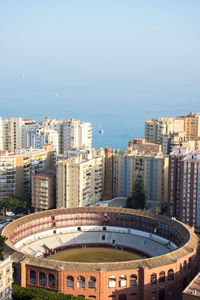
[(14, 204), (138, 197), (21, 293)]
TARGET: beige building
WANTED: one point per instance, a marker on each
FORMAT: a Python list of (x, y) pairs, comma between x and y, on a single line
[(80, 179), (155, 128), (143, 145), (127, 165), (6, 274), (192, 126), (16, 170)]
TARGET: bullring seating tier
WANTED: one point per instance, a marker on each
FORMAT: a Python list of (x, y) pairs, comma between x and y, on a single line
[(138, 240)]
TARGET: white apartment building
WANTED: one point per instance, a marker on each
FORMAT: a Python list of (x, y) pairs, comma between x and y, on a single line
[(40, 137), (76, 134), (6, 279), (17, 133), (16, 130), (80, 180)]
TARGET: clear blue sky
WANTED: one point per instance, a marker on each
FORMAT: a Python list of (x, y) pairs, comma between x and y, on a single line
[(123, 54)]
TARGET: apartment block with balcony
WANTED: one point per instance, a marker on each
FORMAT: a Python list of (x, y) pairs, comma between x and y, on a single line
[(43, 190), (80, 179), (6, 274), (158, 127), (125, 166), (184, 186), (16, 170), (192, 126)]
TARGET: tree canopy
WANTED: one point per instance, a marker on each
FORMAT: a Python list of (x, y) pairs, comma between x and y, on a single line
[(21, 293), (138, 197), (14, 204)]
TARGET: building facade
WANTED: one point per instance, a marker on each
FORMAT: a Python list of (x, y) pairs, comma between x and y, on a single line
[(6, 278), (16, 170), (43, 194), (80, 179), (184, 186), (124, 167), (156, 278)]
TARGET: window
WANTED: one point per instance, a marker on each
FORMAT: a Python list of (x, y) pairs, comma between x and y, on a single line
[(112, 282), (153, 279), (14, 273), (51, 280), (92, 282), (103, 237), (185, 266), (189, 263), (122, 297), (122, 281), (133, 280), (70, 281), (170, 275), (80, 282), (7, 280), (32, 276), (162, 277), (92, 297), (42, 278)]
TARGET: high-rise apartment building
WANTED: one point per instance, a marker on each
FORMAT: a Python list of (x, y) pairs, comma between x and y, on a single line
[(192, 127), (72, 134), (16, 170), (126, 166), (184, 186), (80, 179), (16, 130), (18, 133), (156, 128), (43, 190), (76, 135)]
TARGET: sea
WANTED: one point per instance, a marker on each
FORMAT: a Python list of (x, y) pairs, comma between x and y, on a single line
[(120, 116)]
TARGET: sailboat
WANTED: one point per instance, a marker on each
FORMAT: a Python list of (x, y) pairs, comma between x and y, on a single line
[(100, 129)]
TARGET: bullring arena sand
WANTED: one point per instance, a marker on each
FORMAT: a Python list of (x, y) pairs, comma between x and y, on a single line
[(94, 255)]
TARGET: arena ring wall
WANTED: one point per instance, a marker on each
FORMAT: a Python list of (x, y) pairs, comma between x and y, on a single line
[(171, 248)]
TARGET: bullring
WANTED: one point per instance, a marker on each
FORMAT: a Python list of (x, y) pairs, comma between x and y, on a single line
[(170, 247)]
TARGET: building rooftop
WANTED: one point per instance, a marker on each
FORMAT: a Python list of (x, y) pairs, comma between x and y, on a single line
[(45, 174), (194, 287)]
